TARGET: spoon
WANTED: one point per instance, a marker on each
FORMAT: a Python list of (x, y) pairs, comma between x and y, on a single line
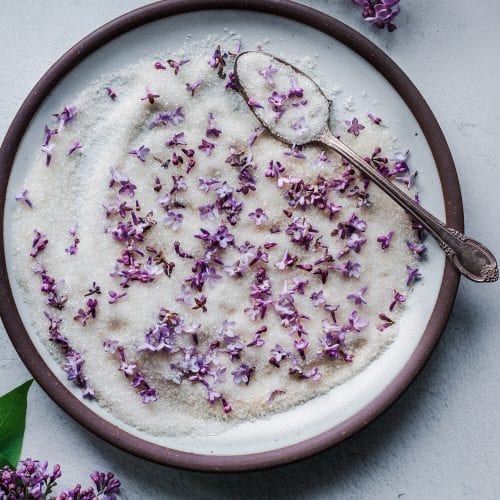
[(258, 74)]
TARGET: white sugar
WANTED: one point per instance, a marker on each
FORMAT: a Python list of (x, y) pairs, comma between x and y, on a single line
[(74, 189)]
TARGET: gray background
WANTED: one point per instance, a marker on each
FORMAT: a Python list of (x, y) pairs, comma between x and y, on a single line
[(441, 439)]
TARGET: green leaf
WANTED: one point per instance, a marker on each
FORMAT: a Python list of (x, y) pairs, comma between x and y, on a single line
[(12, 423)]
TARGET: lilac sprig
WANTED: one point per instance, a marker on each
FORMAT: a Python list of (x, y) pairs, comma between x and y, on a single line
[(32, 480)]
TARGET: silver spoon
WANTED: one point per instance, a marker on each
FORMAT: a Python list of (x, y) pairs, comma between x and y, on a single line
[(470, 257)]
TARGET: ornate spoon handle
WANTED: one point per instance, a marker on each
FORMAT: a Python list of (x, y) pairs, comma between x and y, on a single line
[(470, 257)]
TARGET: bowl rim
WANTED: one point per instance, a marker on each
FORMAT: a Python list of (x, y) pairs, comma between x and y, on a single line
[(442, 309)]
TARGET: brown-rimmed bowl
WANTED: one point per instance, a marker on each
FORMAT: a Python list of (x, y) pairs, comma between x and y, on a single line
[(324, 421)]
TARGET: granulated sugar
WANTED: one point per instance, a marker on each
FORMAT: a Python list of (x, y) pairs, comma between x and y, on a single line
[(265, 249)]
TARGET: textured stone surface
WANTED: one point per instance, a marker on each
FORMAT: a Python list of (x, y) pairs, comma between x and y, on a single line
[(441, 439)]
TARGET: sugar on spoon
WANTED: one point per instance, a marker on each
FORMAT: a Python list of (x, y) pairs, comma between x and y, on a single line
[(258, 75)]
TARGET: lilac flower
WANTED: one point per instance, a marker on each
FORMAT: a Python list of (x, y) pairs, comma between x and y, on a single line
[(150, 96), (73, 365), (274, 169), (206, 147), (268, 73), (385, 240), (66, 116), (110, 345), (242, 374), (39, 243), (259, 217), (384, 12), (175, 117), (313, 374), (223, 237), (116, 177), (286, 261), (277, 100), (375, 119), (217, 59), (254, 103), (127, 188), (158, 65), (387, 322), (207, 211), (409, 180), (22, 197), (48, 149), (111, 93), (318, 298), (400, 165), (115, 296), (76, 145), (49, 133), (351, 226), (191, 87), (51, 288), (176, 65), (231, 81), (357, 297), (295, 90), (73, 249), (355, 242), (178, 184), (418, 249), (277, 355), (413, 275), (224, 190), (106, 484), (299, 126), (176, 139), (141, 153), (173, 219), (332, 209), (369, 12), (212, 130), (397, 298), (295, 152), (356, 323), (205, 184), (348, 269), (354, 127)]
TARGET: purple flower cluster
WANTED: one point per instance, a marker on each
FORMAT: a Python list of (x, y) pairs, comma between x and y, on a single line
[(380, 13), (84, 314), (74, 360), (203, 369), (260, 295), (33, 481), (51, 288), (130, 370)]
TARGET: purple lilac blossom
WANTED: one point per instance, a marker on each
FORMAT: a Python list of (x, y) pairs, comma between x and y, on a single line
[(385, 240), (354, 127), (176, 65), (141, 153), (413, 275), (259, 217), (22, 197), (76, 145)]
